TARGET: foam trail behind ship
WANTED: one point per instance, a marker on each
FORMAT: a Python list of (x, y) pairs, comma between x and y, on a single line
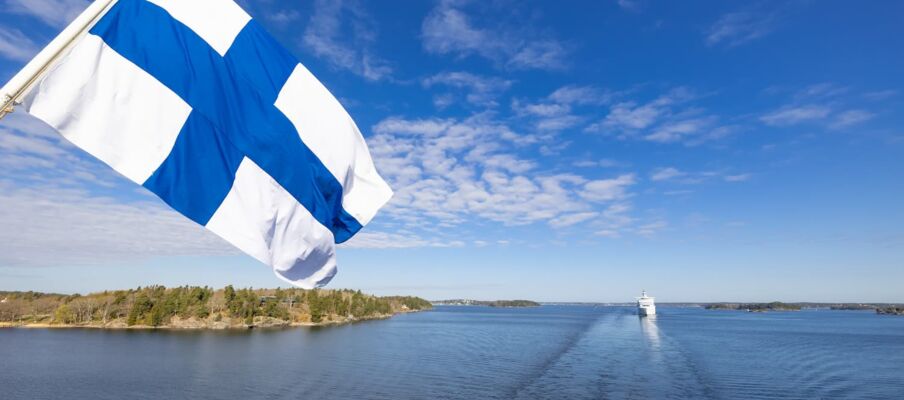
[(620, 356)]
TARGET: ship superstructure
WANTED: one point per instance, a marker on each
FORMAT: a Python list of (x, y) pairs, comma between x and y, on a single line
[(646, 305)]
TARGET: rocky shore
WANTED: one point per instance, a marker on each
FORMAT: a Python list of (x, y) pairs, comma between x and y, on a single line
[(193, 323)]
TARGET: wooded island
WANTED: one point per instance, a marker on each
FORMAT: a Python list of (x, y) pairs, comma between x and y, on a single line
[(193, 307)]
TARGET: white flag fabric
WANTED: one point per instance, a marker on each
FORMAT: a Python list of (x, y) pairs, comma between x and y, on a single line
[(197, 103)]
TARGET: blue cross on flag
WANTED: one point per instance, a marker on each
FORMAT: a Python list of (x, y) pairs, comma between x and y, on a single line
[(196, 102)]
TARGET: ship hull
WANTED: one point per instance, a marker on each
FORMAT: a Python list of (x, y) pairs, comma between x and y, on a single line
[(646, 311)]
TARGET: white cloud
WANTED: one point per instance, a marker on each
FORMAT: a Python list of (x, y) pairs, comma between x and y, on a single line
[(284, 17), (55, 226), (346, 49), (52, 12), (456, 173), (447, 29), (540, 109), (16, 143), (544, 54), (629, 5), (31, 151), (15, 46), (558, 123), (603, 163), (737, 178), (880, 94), (581, 95), (668, 118), (821, 90), (614, 221), (444, 100), (481, 90), (825, 104), (793, 115), (737, 28), (571, 219), (675, 175), (608, 189), (428, 127), (632, 116), (383, 240), (675, 131), (665, 174), (609, 233), (547, 117), (850, 118), (651, 229), (555, 112)]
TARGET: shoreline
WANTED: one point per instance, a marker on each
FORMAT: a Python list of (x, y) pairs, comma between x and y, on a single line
[(118, 325)]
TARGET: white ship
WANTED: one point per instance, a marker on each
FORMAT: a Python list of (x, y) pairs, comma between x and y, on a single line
[(645, 305)]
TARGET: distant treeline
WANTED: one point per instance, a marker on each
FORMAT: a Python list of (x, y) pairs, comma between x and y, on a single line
[(510, 303), (898, 310), (755, 307), (493, 303), (228, 307)]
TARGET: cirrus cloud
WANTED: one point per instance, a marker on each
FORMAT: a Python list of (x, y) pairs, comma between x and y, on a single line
[(448, 29), (461, 173)]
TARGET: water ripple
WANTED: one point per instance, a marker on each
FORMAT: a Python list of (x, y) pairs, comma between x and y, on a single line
[(552, 352)]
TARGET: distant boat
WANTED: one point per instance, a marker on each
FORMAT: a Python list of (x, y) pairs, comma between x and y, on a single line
[(645, 305)]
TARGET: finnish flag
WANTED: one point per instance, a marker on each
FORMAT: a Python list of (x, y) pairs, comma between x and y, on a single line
[(193, 100)]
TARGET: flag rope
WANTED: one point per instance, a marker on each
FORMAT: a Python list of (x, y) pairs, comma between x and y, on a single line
[(22, 82)]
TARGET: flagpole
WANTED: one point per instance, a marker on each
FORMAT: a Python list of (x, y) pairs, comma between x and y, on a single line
[(17, 87)]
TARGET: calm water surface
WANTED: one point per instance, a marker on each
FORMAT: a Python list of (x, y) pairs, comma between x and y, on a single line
[(551, 352)]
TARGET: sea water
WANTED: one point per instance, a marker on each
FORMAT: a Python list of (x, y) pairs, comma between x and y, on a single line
[(549, 352)]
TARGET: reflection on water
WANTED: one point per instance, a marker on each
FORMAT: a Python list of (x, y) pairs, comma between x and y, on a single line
[(550, 352), (650, 330)]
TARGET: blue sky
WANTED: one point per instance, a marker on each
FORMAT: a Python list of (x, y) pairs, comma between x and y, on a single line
[(577, 151)]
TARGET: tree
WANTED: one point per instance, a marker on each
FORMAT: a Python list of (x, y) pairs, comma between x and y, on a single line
[(229, 293), (12, 309), (140, 306), (64, 314), (315, 305), (157, 315)]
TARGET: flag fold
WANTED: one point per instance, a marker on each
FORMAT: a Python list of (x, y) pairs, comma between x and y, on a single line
[(197, 103)]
